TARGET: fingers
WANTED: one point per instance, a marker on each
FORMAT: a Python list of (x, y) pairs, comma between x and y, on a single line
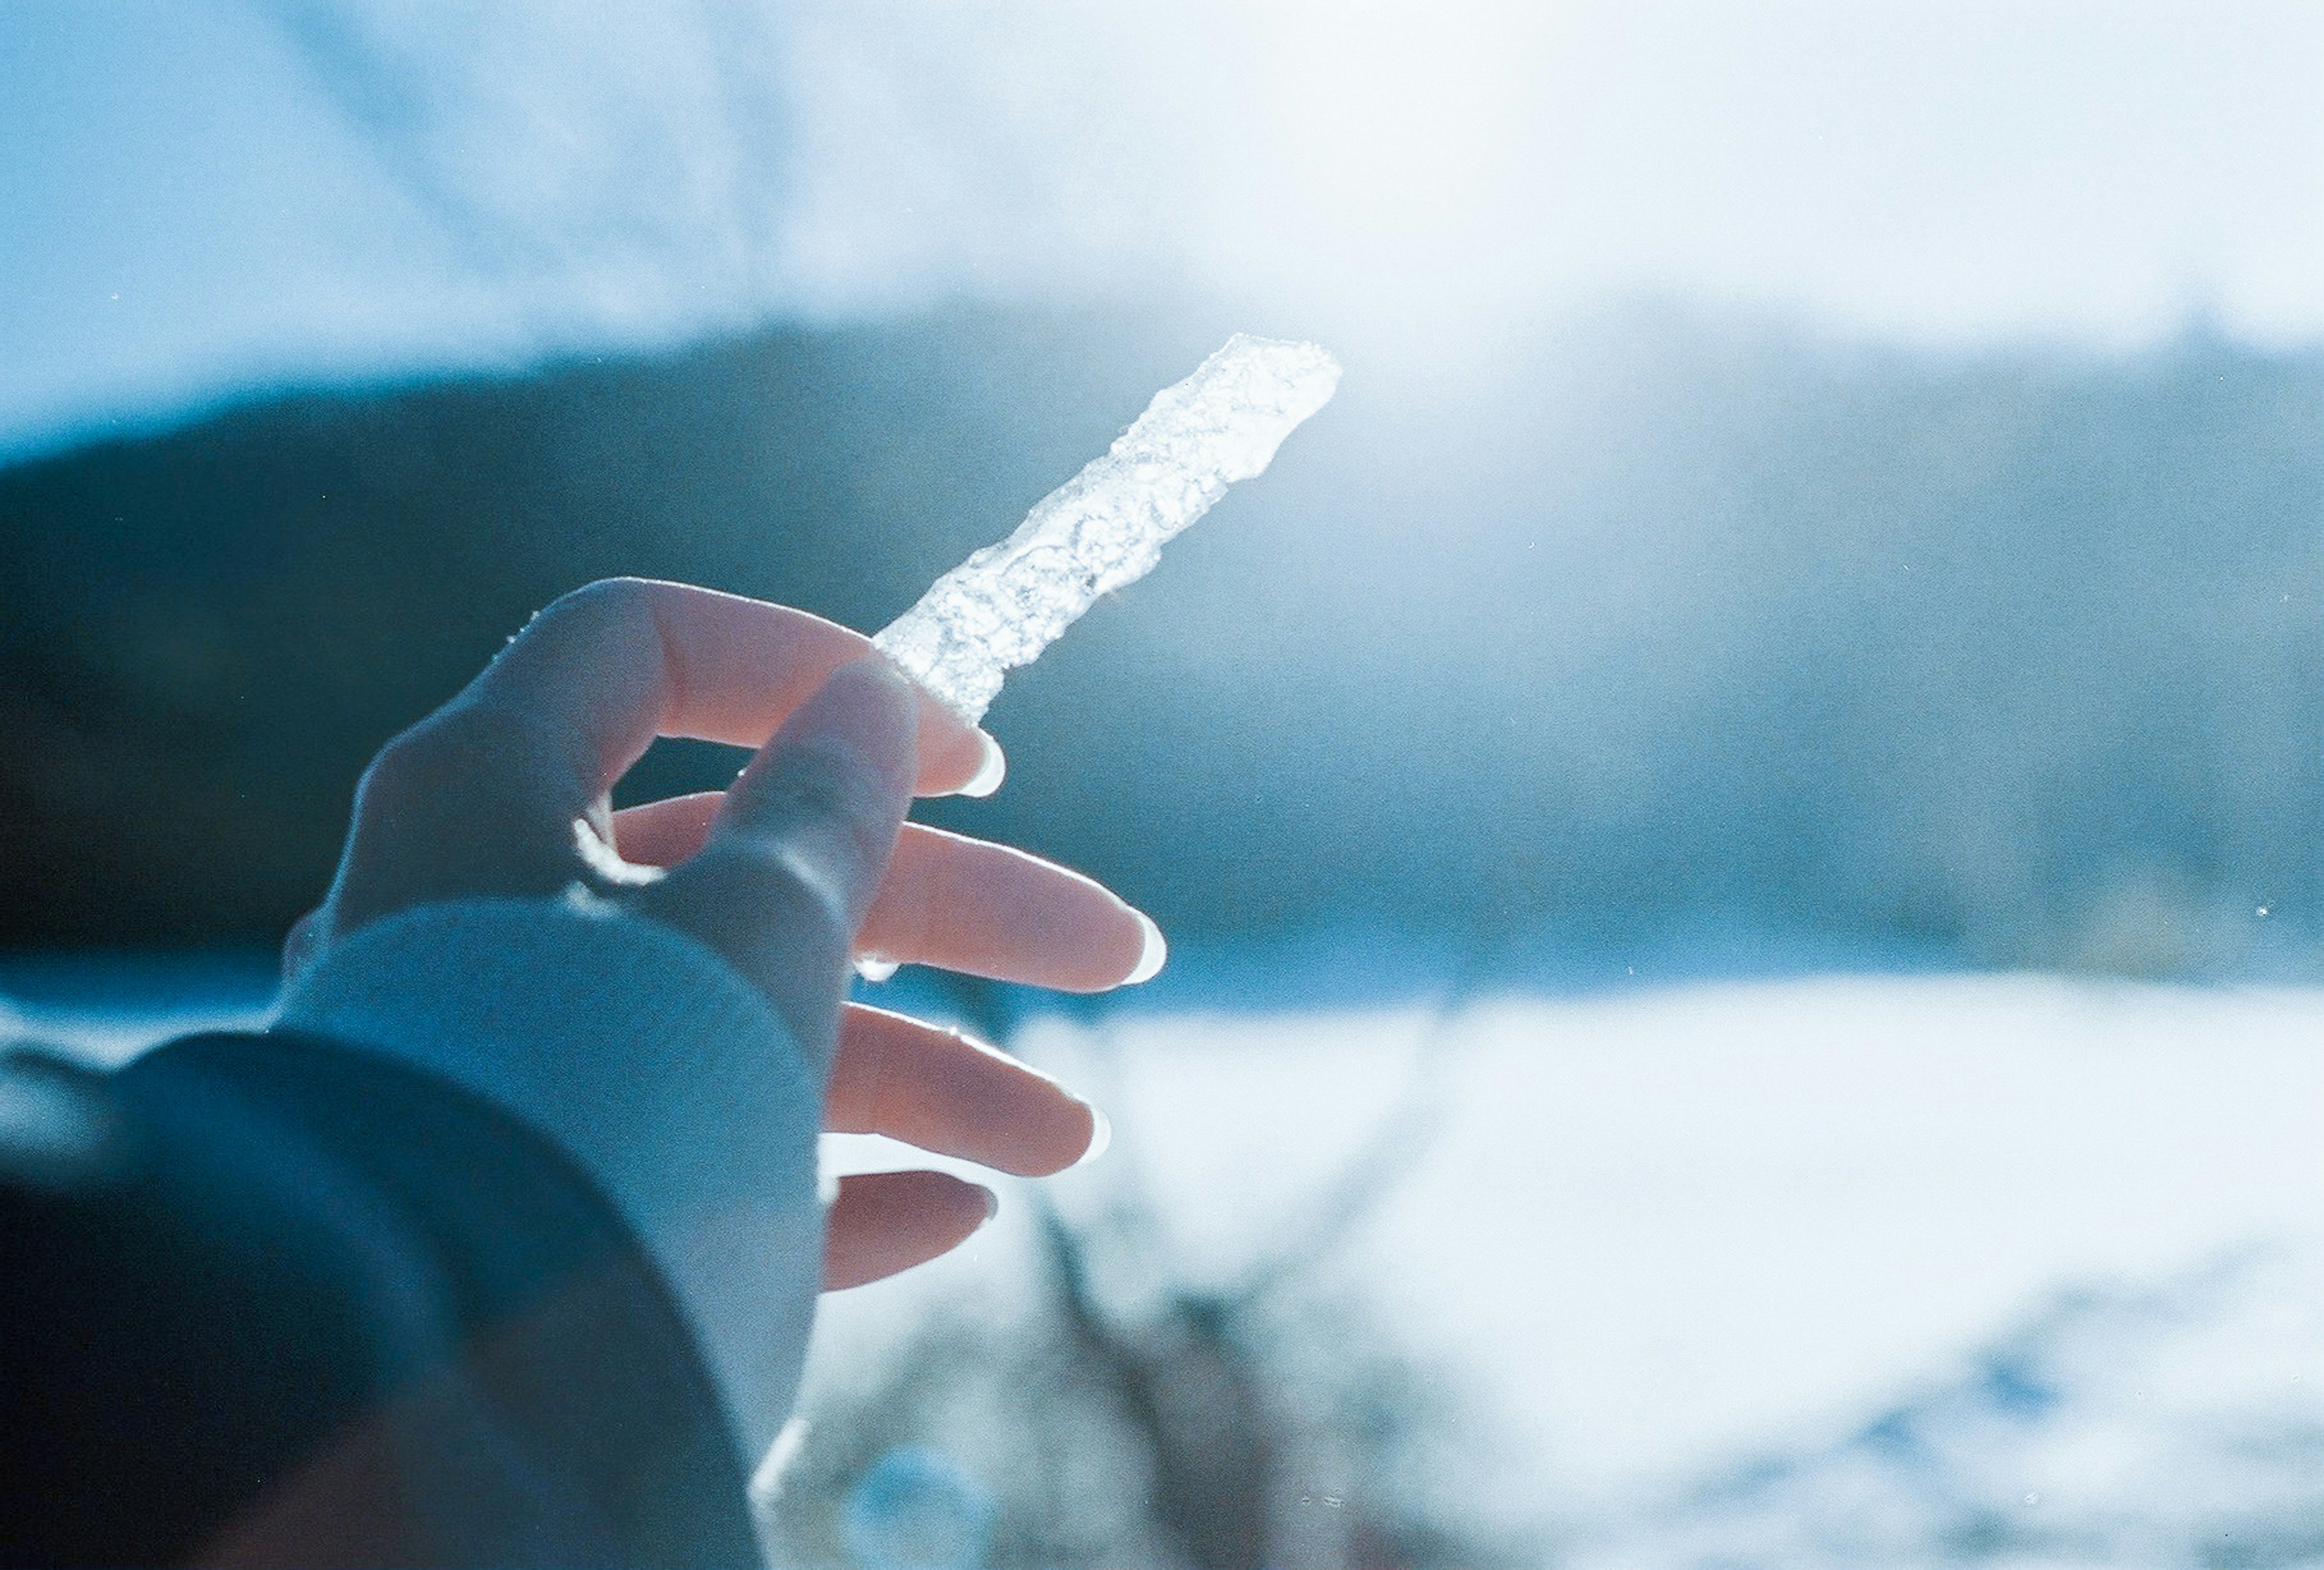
[(798, 852), (945, 1093), (621, 662), (885, 1222), (963, 904), (992, 911)]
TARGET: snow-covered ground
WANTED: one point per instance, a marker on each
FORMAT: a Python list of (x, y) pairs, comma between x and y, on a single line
[(1839, 1270), (1671, 1232), (2170, 1426)]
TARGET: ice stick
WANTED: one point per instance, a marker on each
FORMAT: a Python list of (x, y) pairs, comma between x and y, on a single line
[(1106, 527)]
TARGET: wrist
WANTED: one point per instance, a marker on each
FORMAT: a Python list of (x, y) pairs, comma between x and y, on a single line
[(668, 1078)]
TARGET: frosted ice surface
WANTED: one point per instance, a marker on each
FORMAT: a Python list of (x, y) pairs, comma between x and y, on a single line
[(1106, 527)]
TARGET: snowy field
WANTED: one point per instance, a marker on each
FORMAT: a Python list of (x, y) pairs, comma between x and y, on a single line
[(1830, 1270), (1845, 1270)]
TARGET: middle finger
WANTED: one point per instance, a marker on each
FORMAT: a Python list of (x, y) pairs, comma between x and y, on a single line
[(956, 902)]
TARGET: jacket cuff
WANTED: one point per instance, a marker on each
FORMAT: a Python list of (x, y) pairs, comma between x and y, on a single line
[(648, 1059)]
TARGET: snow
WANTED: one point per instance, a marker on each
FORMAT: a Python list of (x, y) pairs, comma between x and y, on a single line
[(1668, 1229), (2170, 1426)]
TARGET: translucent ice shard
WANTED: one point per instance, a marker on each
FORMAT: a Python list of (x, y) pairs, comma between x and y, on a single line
[(1106, 527)]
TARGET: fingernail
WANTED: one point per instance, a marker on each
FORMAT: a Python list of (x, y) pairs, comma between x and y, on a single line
[(1101, 1137), (992, 1204), (991, 770), (1151, 957)]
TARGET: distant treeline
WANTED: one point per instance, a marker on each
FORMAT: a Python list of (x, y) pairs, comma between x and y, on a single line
[(1657, 623)]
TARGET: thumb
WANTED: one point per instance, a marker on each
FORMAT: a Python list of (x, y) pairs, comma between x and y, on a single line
[(791, 865)]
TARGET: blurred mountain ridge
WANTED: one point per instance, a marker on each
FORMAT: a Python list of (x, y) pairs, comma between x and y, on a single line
[(1653, 621)]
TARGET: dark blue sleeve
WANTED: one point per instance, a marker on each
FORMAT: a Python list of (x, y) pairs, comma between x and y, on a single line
[(264, 1298)]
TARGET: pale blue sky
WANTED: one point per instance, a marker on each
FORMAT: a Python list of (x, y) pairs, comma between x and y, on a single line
[(202, 201)]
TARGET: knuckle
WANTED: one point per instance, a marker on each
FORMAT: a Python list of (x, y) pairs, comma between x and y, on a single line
[(810, 787), (414, 764), (821, 790), (468, 753), (800, 895), (625, 604), (592, 635), (610, 598), (767, 912)]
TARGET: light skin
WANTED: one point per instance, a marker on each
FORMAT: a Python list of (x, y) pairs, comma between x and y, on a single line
[(805, 860)]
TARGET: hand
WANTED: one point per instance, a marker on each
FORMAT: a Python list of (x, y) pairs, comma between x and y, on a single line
[(506, 791)]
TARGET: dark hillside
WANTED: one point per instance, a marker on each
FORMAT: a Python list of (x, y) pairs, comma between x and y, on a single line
[(1660, 623)]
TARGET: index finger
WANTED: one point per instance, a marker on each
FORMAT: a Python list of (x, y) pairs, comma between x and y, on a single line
[(625, 659)]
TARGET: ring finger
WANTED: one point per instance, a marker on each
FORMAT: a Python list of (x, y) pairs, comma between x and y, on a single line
[(946, 1094)]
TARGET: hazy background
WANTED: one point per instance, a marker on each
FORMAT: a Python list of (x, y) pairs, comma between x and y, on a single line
[(1831, 476), (1825, 494), (207, 202)]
